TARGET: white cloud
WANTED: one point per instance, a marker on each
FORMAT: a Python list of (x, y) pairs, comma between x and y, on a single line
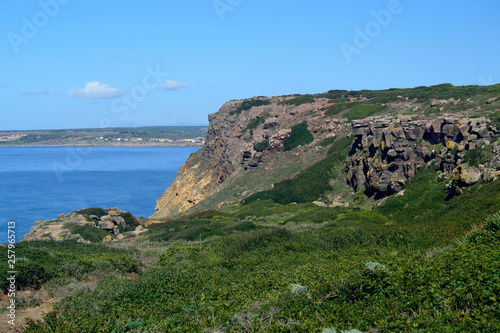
[(35, 92), (171, 85), (97, 90)]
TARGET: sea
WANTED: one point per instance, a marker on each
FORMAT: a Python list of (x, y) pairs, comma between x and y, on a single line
[(39, 183)]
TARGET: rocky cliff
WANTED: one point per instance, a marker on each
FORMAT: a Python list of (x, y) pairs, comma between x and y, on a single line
[(396, 132), (387, 151), (232, 142)]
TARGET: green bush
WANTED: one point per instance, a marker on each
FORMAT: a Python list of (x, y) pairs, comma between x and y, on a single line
[(478, 156), (299, 100), (327, 141), (300, 135), (30, 274), (261, 146), (253, 124), (89, 233), (99, 212), (248, 104), (492, 222), (46, 260)]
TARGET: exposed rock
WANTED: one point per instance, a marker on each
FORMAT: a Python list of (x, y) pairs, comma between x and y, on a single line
[(320, 204), (491, 100), (108, 238), (388, 151), (339, 202), (57, 229), (466, 175), (438, 102)]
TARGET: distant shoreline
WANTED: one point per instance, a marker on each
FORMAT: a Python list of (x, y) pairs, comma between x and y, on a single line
[(152, 144)]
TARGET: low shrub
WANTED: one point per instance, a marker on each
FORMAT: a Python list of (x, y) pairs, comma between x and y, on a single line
[(253, 124), (89, 233), (478, 156), (299, 100), (248, 104), (300, 135), (261, 146), (99, 212)]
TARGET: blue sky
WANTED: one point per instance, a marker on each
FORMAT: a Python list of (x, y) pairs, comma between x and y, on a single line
[(99, 63)]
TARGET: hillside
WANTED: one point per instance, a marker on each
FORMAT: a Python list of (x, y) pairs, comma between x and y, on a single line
[(369, 211), (254, 144)]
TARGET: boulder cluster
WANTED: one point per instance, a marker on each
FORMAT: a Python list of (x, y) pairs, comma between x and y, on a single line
[(58, 229)]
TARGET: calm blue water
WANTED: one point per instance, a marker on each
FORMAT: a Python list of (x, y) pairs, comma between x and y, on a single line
[(39, 183)]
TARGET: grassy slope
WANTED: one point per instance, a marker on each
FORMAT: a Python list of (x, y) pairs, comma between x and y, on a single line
[(243, 269)]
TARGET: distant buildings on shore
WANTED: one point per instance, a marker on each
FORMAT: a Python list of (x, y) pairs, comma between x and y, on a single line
[(198, 140), (11, 137)]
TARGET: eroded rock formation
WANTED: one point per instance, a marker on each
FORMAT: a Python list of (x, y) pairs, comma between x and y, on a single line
[(387, 151)]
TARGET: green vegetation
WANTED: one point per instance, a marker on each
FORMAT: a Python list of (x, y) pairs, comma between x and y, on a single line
[(88, 232), (300, 136), (423, 94), (364, 110), (327, 141), (336, 109), (97, 211), (131, 222), (411, 264), (310, 184), (254, 268), (299, 100), (253, 124), (478, 155), (261, 146), (248, 104), (354, 110), (41, 261)]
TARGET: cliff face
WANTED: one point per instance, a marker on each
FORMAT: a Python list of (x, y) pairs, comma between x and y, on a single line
[(232, 135), (388, 151)]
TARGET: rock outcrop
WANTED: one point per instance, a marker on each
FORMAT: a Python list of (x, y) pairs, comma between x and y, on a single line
[(58, 229), (387, 151)]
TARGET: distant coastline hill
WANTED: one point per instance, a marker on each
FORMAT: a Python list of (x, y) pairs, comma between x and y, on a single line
[(116, 136)]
